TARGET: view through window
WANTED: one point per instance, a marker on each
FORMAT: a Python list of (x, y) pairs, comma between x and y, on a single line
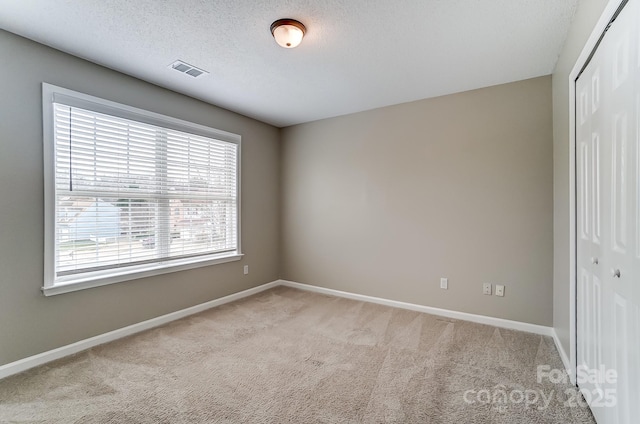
[(130, 193)]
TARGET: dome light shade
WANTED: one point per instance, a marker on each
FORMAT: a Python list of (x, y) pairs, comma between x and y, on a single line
[(288, 33)]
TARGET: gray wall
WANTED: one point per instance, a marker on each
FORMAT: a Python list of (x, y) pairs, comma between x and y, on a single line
[(587, 15), (31, 323), (387, 201)]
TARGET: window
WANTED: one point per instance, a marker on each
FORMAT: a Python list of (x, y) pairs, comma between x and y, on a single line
[(130, 193)]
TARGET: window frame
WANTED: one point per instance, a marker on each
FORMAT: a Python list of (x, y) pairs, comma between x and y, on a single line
[(56, 285)]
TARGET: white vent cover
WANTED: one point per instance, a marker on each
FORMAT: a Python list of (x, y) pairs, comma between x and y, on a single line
[(185, 68)]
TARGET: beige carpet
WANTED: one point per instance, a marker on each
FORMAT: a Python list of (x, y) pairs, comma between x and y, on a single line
[(288, 356)]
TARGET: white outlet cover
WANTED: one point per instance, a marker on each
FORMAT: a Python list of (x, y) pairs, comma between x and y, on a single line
[(246, 269), (499, 290), (486, 288), (444, 283)]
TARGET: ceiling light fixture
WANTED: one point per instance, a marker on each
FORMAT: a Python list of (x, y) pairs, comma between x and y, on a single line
[(288, 33)]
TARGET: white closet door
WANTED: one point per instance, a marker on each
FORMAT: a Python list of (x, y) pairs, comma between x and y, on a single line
[(623, 55), (592, 234), (608, 233), (632, 280)]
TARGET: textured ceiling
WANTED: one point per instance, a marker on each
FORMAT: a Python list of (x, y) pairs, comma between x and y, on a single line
[(357, 54)]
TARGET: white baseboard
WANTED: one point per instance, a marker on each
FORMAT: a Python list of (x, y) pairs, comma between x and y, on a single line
[(565, 358), (51, 355), (481, 319)]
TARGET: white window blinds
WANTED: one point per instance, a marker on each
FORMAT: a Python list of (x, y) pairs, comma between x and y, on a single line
[(130, 193)]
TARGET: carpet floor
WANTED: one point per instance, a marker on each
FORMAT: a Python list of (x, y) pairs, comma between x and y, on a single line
[(289, 356)]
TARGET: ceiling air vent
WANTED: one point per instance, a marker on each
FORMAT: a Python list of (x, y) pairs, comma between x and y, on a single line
[(185, 68)]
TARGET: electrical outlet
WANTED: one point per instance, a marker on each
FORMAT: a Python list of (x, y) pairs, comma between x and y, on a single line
[(486, 288), (246, 269), (499, 290), (444, 283)]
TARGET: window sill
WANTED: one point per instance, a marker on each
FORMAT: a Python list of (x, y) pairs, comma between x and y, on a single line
[(87, 282)]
